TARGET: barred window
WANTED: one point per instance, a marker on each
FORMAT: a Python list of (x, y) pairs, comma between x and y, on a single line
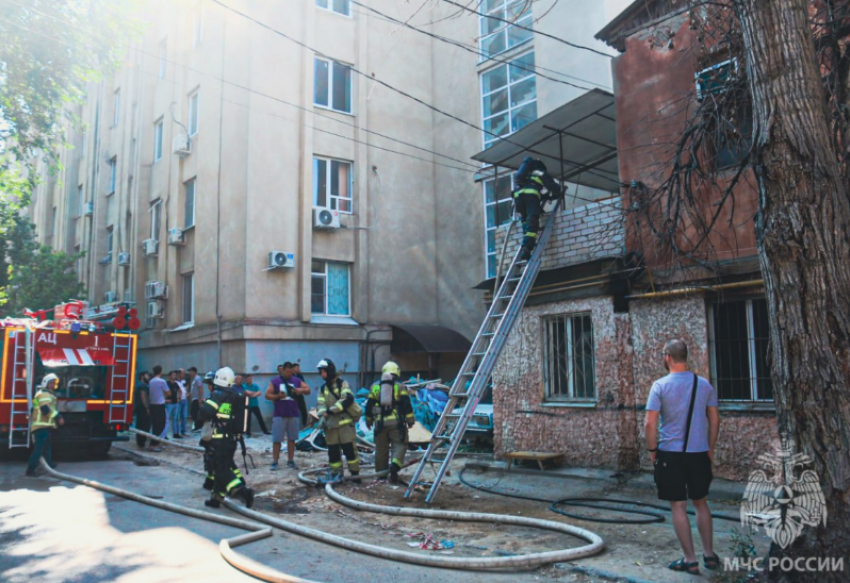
[(738, 340), (569, 362)]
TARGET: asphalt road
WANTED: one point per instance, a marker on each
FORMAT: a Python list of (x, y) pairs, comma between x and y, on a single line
[(52, 531)]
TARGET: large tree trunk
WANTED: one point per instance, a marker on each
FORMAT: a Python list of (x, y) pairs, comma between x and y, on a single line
[(803, 231)]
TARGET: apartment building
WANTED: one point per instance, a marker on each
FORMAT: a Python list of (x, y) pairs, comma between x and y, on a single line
[(263, 191)]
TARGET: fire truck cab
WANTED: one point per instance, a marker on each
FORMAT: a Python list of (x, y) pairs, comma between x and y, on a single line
[(95, 365)]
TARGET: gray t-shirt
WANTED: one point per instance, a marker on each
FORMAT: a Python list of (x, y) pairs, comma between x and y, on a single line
[(671, 396), (158, 388), (194, 392)]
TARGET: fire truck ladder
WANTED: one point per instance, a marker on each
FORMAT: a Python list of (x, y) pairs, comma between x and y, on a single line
[(22, 359), (474, 375), (122, 349)]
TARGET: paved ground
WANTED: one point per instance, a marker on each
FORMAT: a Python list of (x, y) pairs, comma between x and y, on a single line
[(52, 531)]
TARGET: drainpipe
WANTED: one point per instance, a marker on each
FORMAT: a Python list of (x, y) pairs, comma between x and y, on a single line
[(689, 290), (218, 196)]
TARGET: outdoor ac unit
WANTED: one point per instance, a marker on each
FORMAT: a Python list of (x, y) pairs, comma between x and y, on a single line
[(175, 236), (155, 290), (150, 246), (156, 309), (181, 145), (325, 219), (110, 297), (88, 209), (279, 259), (123, 259)]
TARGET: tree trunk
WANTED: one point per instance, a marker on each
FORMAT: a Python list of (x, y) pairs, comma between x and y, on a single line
[(804, 250)]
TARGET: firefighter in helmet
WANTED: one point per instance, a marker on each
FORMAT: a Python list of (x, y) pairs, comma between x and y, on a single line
[(389, 410), (44, 419), (534, 185), (226, 410), (338, 413)]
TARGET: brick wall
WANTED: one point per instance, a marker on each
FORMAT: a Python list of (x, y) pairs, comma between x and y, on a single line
[(581, 234)]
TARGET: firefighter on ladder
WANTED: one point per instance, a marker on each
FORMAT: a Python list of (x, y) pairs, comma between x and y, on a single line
[(533, 186), (336, 405), (44, 419), (389, 410), (226, 410)]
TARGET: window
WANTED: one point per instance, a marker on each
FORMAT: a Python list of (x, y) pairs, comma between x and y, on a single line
[(163, 59), (110, 239), (53, 218), (332, 85), (113, 170), (569, 363), (330, 288), (509, 97), (157, 140), (188, 307), (338, 6), (498, 204), (80, 201), (738, 340), (332, 185), (116, 112), (732, 136), (496, 35), (156, 219), (193, 113), (189, 210), (197, 29)]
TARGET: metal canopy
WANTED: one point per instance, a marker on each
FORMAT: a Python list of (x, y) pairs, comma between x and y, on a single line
[(431, 339), (577, 142)]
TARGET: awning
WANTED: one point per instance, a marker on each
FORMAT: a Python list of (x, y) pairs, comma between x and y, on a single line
[(53, 357), (582, 134), (425, 338)]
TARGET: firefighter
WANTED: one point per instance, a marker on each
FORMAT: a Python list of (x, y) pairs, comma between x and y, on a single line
[(44, 419), (206, 438), (225, 410), (388, 409), (338, 413), (534, 185)]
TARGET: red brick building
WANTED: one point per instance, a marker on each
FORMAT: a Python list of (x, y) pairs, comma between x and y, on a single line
[(577, 369)]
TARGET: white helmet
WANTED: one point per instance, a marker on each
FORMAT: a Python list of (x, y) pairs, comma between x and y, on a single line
[(224, 377), (45, 382)]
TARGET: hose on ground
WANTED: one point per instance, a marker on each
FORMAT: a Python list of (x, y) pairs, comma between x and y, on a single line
[(171, 442), (225, 546), (599, 503)]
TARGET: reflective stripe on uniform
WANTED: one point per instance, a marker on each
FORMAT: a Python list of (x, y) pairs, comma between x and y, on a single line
[(233, 484), (526, 191)]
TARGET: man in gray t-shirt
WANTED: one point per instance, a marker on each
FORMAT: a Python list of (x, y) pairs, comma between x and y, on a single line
[(681, 452)]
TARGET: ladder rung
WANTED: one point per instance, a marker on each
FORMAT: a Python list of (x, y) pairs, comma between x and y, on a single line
[(498, 315)]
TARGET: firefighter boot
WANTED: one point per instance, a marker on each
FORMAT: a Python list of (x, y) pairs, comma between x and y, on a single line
[(247, 495), (394, 468), (355, 479), (214, 501), (209, 482)]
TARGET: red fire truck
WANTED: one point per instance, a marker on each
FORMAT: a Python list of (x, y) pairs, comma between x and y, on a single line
[(95, 363)]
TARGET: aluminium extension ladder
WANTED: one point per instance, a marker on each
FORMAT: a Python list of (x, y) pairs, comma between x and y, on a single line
[(474, 375), (22, 358), (120, 386)]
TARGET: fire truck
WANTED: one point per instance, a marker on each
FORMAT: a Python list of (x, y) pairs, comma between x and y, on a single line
[(92, 351)]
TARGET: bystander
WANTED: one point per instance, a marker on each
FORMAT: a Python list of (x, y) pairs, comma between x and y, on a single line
[(159, 394), (141, 408)]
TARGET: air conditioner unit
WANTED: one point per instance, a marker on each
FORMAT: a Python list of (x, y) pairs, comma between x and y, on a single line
[(175, 236), (88, 209), (181, 145), (124, 259), (325, 219), (156, 309), (155, 290), (279, 259), (150, 246), (110, 297)]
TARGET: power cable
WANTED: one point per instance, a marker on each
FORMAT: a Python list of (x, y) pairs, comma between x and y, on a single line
[(529, 29)]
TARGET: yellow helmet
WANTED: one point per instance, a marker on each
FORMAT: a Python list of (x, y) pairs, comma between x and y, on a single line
[(391, 368)]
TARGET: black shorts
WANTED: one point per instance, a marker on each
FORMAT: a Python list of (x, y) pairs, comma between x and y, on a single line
[(680, 476)]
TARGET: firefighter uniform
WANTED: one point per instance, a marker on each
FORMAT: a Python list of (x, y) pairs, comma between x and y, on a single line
[(334, 404), (225, 411), (44, 418), (389, 410), (533, 185)]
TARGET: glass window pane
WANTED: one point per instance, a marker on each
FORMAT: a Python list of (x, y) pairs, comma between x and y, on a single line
[(522, 67), (317, 267), (516, 9), (338, 289), (342, 87), (517, 35), (491, 25), (761, 337), (523, 116), (320, 182), (491, 266), (317, 295), (322, 3), (341, 6), (490, 5), (494, 79), (523, 91), (189, 212), (493, 45), (491, 241), (489, 190), (497, 125), (496, 102), (491, 215), (320, 93), (503, 188), (503, 212)]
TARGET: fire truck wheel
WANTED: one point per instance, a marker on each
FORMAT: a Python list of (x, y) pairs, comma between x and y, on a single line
[(100, 448)]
